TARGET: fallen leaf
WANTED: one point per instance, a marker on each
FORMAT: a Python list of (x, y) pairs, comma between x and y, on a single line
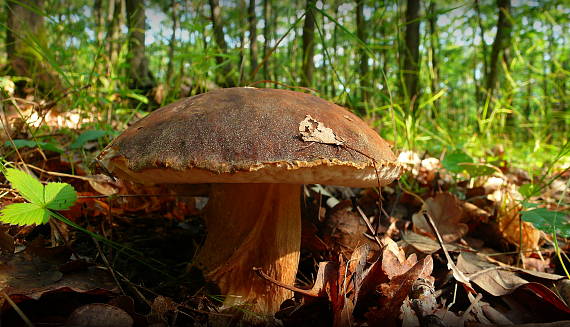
[(497, 279), (345, 226), (314, 131), (447, 213), (7, 245), (425, 244)]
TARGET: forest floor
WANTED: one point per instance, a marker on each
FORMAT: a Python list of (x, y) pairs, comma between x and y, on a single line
[(443, 246)]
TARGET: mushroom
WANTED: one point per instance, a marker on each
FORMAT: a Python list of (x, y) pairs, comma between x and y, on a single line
[(256, 147)]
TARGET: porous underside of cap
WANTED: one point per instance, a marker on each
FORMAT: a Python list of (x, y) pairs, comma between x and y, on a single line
[(248, 135)]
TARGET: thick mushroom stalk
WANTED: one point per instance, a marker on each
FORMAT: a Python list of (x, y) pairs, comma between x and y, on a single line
[(252, 225)]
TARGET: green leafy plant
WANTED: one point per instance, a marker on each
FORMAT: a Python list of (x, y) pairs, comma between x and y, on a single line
[(32, 144), (43, 199), (88, 136), (453, 160), (547, 220)]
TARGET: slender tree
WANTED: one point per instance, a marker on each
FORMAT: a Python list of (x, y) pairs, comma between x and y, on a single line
[(334, 46), (114, 17), (243, 12), (308, 44), (223, 77), (411, 55), (434, 49), (172, 43), (501, 42), (252, 19), (484, 50), (363, 57), (140, 76), (266, 37)]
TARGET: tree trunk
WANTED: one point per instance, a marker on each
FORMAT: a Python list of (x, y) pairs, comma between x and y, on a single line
[(223, 77), (25, 27), (243, 12), (483, 48), (266, 37), (434, 42), (335, 46), (308, 44), (502, 41), (99, 21), (113, 33), (252, 18), (363, 64), (139, 73), (172, 44), (412, 55)]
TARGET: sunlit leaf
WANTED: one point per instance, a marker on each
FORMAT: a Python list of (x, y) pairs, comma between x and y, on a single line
[(24, 214), (528, 190), (59, 196), (547, 220), (476, 170), (452, 161), (29, 188)]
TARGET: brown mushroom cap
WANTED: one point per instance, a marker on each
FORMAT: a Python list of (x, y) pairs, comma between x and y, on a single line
[(249, 135)]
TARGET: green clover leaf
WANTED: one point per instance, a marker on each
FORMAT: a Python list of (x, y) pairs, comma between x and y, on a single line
[(42, 199)]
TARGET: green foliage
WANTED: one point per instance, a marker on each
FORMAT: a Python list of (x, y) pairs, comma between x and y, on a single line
[(528, 190), (547, 220), (32, 144), (89, 135), (42, 199), (453, 161)]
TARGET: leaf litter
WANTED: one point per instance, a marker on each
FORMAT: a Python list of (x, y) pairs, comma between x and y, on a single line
[(345, 278)]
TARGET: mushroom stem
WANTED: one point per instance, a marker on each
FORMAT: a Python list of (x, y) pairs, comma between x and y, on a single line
[(252, 225)]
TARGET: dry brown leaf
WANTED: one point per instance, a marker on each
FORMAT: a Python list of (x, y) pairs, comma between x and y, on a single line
[(447, 213), (425, 244), (32, 278), (497, 279), (313, 130), (345, 226), (7, 245), (507, 202), (395, 292), (103, 184)]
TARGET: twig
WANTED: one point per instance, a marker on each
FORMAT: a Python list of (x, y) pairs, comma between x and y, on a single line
[(270, 279), (18, 310), (471, 306), (457, 274), (53, 173), (111, 270), (370, 228)]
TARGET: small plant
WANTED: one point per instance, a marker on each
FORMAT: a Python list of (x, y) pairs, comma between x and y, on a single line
[(43, 199)]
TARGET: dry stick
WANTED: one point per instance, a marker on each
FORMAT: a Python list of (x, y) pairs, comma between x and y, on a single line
[(457, 274), (270, 279), (370, 228), (111, 270), (18, 310), (471, 306), (53, 173)]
